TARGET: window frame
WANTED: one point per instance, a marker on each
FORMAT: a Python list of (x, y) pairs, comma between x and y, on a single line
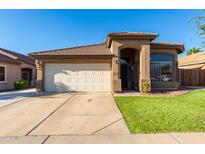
[(160, 63), (5, 74)]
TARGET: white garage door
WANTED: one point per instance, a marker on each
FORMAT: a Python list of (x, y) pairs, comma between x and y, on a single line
[(77, 77)]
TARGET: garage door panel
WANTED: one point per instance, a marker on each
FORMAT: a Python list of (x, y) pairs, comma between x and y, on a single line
[(77, 77)]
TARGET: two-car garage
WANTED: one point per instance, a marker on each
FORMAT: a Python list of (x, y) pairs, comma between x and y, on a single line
[(65, 77), (84, 68)]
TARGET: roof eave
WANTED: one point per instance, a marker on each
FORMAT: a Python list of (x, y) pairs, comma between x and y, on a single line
[(179, 47), (7, 59), (36, 56), (111, 37)]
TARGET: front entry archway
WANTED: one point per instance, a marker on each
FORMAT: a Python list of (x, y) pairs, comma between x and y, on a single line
[(129, 69)]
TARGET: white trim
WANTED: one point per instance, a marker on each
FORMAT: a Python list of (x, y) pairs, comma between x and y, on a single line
[(5, 75)]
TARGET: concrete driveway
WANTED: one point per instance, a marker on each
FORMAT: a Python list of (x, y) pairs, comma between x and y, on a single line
[(63, 114), (14, 96)]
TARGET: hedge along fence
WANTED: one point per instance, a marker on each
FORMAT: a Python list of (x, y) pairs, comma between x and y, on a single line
[(192, 77)]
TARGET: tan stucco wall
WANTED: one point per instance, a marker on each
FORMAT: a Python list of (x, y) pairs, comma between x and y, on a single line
[(167, 85), (13, 74), (143, 46)]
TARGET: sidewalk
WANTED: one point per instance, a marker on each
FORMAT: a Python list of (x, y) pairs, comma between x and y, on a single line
[(164, 138)]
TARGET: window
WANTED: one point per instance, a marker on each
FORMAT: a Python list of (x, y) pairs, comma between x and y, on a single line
[(155, 71), (161, 67), (2, 73)]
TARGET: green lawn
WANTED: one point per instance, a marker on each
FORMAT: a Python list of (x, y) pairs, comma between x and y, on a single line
[(185, 113)]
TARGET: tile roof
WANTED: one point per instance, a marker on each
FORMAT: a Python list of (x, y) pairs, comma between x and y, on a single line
[(167, 43), (131, 33), (174, 45), (96, 49), (17, 56), (192, 66), (103, 48), (4, 58), (192, 59)]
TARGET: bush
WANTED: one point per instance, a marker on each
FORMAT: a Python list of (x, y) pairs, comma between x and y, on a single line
[(146, 88), (22, 84)]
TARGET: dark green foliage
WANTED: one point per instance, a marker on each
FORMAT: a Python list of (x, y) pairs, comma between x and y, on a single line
[(200, 24), (193, 51), (22, 84)]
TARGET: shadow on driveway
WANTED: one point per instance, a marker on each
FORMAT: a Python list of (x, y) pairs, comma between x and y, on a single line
[(15, 96), (18, 94)]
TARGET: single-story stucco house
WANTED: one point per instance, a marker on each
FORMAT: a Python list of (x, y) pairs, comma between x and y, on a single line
[(126, 61), (192, 69), (15, 67)]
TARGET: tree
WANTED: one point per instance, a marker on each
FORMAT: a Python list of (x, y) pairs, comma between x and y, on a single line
[(193, 51), (200, 24)]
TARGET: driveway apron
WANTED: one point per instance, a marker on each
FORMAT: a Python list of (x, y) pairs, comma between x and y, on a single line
[(85, 113), (20, 118)]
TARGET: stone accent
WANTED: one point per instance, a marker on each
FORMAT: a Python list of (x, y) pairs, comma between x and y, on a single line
[(39, 79)]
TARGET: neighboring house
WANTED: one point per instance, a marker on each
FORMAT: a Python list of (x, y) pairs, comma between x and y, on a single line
[(192, 68), (126, 61), (14, 67)]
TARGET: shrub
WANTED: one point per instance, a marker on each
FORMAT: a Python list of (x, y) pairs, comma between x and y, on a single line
[(146, 88), (22, 84)]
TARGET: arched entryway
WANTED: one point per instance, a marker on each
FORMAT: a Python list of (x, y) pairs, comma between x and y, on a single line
[(129, 69)]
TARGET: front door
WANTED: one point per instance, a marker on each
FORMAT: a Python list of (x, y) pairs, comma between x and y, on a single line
[(124, 77), (124, 71)]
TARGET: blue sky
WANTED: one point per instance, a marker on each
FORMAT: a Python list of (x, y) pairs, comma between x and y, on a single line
[(26, 31)]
